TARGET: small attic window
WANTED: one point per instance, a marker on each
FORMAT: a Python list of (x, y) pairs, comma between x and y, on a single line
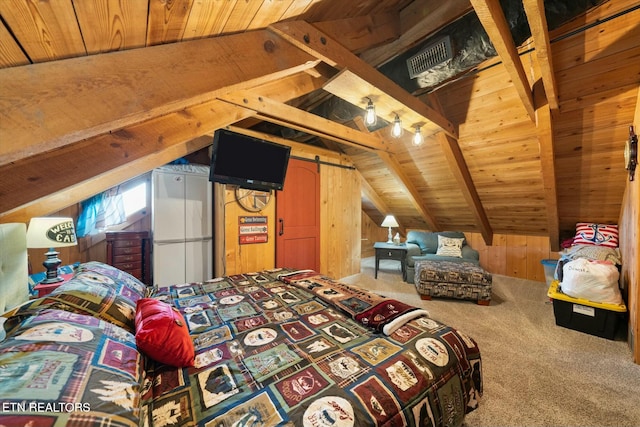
[(135, 199), (113, 209)]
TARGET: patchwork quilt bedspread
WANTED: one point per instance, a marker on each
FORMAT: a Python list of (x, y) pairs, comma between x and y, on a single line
[(297, 348), (275, 347)]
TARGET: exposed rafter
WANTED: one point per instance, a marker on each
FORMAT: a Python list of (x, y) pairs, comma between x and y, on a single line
[(83, 97), (323, 47), (398, 172), (122, 155), (460, 171), (285, 115), (538, 24), (418, 21), (380, 205), (544, 128), (495, 24)]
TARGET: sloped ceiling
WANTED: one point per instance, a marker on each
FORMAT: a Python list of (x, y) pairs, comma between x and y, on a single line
[(527, 142)]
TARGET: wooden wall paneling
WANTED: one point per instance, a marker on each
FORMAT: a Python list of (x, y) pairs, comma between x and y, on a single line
[(371, 233), (340, 232), (513, 255), (340, 225), (12, 54), (242, 258), (629, 223), (516, 258), (110, 26), (52, 21), (538, 248)]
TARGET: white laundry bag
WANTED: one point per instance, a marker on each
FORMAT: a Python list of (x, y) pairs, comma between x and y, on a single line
[(595, 281)]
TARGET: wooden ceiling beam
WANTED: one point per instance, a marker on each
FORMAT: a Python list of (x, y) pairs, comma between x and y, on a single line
[(458, 167), (495, 24), (418, 20), (114, 157), (539, 30), (80, 98), (460, 171), (544, 130), (412, 192), (369, 193), (323, 47), (285, 115), (363, 32), (403, 180), (123, 154)]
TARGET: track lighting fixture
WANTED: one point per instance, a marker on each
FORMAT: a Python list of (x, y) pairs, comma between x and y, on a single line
[(370, 117), (417, 137), (396, 127)]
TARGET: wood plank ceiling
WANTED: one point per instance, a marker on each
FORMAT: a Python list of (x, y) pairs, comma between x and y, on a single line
[(527, 142)]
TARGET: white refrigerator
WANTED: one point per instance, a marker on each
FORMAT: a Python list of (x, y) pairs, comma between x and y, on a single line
[(182, 250)]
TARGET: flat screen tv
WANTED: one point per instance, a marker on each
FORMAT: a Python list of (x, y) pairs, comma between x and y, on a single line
[(248, 162)]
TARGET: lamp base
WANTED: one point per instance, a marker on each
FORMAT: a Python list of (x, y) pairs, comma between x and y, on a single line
[(390, 237), (51, 263)]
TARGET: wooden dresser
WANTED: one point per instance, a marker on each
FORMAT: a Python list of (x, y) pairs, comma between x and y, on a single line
[(129, 251)]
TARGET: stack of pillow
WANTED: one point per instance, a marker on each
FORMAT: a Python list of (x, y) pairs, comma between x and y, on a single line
[(589, 267)]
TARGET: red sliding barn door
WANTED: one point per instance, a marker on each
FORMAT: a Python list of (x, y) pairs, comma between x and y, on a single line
[(298, 217)]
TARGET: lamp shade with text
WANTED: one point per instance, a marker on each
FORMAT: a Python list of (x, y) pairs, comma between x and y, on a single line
[(51, 232)]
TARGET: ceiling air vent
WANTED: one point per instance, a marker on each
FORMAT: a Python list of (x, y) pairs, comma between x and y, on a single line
[(434, 54)]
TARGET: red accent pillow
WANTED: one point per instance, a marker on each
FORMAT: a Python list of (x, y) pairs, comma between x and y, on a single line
[(596, 234), (162, 333)]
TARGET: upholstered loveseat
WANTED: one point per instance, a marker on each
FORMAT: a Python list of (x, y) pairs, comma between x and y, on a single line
[(423, 245)]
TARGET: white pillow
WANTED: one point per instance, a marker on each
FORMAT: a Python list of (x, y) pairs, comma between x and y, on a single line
[(448, 246)]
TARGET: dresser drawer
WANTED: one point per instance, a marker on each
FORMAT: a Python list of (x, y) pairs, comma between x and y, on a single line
[(121, 259), (128, 266), (126, 243), (129, 251), (133, 250)]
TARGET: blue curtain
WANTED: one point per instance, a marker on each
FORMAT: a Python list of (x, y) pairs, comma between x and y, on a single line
[(101, 211)]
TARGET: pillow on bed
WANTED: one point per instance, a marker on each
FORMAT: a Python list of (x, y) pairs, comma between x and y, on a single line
[(596, 234), (56, 356), (91, 294), (119, 277), (162, 333), (449, 246)]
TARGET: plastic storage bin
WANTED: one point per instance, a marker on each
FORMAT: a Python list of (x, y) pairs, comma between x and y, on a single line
[(582, 315), (549, 269)]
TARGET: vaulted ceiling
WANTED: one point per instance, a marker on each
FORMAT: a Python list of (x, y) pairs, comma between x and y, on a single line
[(528, 139)]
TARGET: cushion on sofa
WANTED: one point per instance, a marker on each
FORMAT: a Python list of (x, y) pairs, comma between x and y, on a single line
[(428, 241), (448, 246)]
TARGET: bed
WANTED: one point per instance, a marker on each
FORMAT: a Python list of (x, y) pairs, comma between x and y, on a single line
[(276, 347)]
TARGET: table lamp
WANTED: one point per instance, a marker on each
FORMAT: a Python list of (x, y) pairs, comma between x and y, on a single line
[(389, 221), (51, 232)]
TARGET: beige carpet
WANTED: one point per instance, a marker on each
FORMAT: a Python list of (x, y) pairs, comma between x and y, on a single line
[(535, 373)]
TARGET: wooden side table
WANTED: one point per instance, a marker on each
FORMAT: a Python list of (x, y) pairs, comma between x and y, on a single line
[(129, 252), (391, 251)]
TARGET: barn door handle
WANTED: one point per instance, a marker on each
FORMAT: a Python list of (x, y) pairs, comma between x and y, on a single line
[(281, 221)]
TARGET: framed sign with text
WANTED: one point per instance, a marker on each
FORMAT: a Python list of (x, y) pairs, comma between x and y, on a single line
[(253, 229)]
